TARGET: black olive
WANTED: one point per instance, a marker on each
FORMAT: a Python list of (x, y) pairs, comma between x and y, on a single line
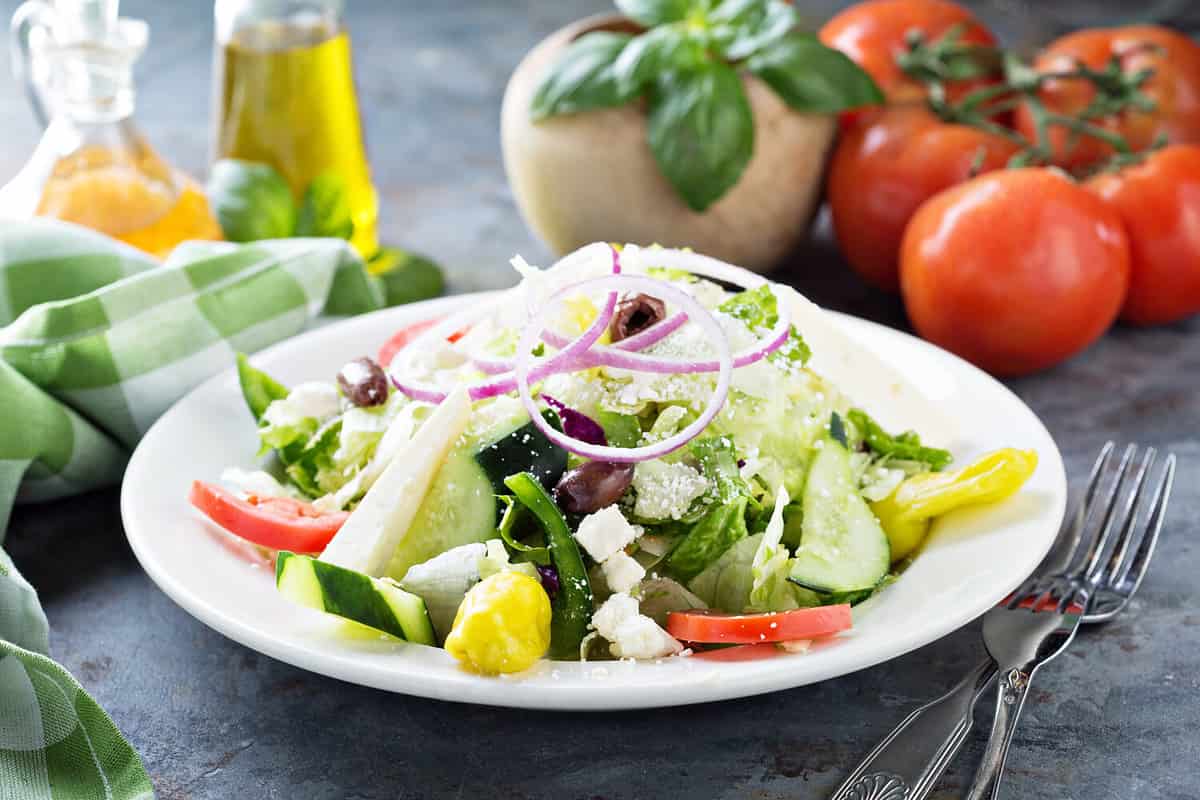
[(636, 314), (364, 383), (593, 486)]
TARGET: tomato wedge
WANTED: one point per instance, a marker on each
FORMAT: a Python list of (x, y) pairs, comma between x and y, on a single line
[(280, 523), (402, 337), (709, 627)]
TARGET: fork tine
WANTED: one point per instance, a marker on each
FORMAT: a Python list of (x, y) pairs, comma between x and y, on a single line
[(1136, 568), (1066, 546), (1099, 544), (1128, 539)]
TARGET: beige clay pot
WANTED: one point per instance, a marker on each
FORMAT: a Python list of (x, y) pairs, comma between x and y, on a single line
[(590, 177)]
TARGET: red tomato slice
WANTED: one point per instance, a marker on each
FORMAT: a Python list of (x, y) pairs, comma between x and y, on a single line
[(781, 626), (741, 652), (280, 523), (402, 337)]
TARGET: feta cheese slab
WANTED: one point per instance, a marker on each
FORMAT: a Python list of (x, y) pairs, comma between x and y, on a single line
[(604, 533), (315, 400), (622, 572)]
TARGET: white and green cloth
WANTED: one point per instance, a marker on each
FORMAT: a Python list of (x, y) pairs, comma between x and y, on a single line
[(96, 341)]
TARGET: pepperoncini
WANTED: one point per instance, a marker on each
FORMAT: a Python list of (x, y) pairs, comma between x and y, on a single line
[(503, 624), (906, 514)]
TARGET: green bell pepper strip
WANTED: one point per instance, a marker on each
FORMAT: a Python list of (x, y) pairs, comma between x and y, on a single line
[(572, 606)]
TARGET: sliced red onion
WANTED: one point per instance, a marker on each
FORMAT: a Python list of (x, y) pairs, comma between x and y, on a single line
[(625, 455), (568, 359), (576, 424)]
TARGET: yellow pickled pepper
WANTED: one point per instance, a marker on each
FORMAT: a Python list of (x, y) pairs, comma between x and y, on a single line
[(906, 514)]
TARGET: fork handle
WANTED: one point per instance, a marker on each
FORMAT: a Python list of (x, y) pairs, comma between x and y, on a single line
[(1011, 691), (913, 756)]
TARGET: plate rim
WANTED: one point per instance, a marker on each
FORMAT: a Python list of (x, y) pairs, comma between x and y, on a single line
[(600, 697)]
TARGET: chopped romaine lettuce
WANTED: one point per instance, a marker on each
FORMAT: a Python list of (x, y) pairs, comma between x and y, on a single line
[(258, 388), (904, 446), (718, 530), (770, 589), (313, 469), (443, 581), (719, 462), (665, 490)]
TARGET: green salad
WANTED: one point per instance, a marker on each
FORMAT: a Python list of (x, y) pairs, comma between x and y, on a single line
[(628, 455)]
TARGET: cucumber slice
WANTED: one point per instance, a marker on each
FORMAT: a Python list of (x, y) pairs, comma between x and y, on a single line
[(375, 602), (842, 545), (458, 509), (523, 449)]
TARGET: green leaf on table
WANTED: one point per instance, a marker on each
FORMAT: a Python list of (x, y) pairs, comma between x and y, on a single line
[(743, 27), (252, 201), (656, 12), (583, 78), (325, 209), (701, 131), (406, 277), (812, 77)]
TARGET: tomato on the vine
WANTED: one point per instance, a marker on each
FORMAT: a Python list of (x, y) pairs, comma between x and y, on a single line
[(885, 167), (1173, 88), (1015, 270), (1159, 202), (874, 35)]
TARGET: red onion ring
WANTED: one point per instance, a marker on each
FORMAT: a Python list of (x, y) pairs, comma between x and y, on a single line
[(626, 455)]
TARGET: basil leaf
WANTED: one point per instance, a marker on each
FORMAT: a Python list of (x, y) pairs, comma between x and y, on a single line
[(654, 12), (325, 210), (406, 277), (251, 201), (583, 77), (701, 131), (743, 27), (812, 77), (650, 54)]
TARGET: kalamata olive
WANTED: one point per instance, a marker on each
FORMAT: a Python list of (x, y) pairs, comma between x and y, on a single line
[(636, 314), (593, 486), (364, 383)]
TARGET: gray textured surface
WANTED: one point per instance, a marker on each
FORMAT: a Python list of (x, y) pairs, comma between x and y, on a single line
[(1116, 718)]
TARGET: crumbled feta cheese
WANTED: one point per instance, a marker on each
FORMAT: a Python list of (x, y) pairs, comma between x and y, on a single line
[(605, 532), (641, 637), (307, 400), (615, 610), (622, 572), (666, 491)]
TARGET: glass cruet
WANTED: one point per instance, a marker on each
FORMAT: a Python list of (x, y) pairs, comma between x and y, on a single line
[(92, 165), (284, 94)]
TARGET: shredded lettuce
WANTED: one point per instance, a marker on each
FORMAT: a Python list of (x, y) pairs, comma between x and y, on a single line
[(770, 589), (759, 310), (719, 463)]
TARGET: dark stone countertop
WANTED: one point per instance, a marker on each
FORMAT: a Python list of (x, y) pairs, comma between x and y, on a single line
[(1114, 718)]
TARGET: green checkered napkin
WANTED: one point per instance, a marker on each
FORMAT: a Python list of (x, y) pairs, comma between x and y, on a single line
[(97, 341)]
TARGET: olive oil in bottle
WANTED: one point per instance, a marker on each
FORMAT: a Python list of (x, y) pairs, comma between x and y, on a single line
[(285, 96)]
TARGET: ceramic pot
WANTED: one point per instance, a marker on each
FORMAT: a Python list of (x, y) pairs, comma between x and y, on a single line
[(587, 177)]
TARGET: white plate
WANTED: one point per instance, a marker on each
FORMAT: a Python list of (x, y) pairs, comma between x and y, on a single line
[(973, 559)]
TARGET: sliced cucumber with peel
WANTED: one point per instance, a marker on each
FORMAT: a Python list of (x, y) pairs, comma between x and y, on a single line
[(375, 602), (842, 545)]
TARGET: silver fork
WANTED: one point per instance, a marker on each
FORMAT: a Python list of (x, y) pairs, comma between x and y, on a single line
[(915, 754), (1021, 642)]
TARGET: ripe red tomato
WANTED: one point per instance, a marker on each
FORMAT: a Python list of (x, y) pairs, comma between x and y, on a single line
[(873, 34), (704, 626), (1015, 270), (1159, 202), (1174, 88), (280, 523), (885, 167)]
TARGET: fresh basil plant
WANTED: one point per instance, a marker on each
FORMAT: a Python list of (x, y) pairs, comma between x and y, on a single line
[(687, 65)]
